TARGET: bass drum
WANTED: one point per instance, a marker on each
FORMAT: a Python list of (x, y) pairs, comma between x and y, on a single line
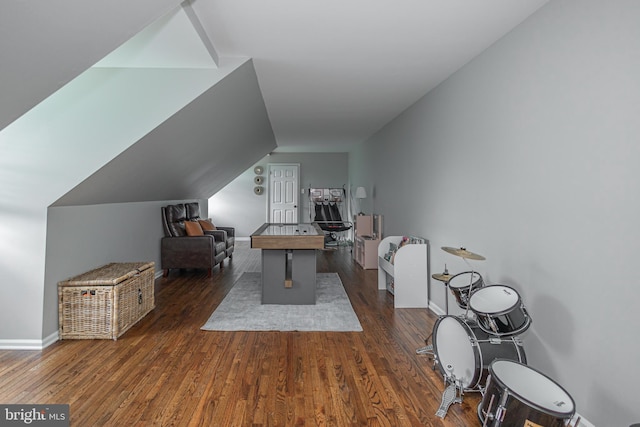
[(463, 351), (518, 395)]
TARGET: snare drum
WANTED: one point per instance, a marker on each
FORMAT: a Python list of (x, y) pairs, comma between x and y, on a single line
[(463, 351), (499, 310), (518, 395), (459, 285)]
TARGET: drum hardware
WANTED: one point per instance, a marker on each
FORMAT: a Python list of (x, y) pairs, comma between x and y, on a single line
[(444, 278), (486, 418), (428, 348), (501, 410), (466, 311), (492, 325), (451, 394)]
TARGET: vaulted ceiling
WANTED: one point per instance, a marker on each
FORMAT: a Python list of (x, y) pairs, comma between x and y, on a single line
[(334, 72), (331, 72)]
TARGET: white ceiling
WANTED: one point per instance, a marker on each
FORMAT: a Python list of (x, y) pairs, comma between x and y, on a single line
[(333, 72), (170, 42)]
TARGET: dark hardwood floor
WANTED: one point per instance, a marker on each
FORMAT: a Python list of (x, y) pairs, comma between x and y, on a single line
[(166, 371)]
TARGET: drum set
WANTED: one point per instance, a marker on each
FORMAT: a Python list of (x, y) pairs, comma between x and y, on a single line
[(481, 351)]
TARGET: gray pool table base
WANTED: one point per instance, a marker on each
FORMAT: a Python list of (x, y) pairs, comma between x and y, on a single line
[(288, 276)]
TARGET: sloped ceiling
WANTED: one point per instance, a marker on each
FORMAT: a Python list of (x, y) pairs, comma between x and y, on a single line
[(117, 116), (46, 44), (191, 155)]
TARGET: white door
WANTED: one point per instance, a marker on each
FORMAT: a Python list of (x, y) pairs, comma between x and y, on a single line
[(283, 193)]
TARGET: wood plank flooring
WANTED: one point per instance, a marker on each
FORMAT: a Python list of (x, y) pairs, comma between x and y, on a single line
[(165, 371)]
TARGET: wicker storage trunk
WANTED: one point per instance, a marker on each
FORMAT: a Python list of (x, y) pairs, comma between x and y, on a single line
[(104, 303)]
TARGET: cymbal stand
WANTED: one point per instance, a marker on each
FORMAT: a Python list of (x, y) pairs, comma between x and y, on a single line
[(446, 291), (428, 348), (466, 312)]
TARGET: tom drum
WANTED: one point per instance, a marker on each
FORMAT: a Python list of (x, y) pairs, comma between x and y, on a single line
[(499, 310), (459, 285), (518, 395), (463, 351)]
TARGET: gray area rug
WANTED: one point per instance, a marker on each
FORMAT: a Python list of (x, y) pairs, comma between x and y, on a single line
[(241, 309)]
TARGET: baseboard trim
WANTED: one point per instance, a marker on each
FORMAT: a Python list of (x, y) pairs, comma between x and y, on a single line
[(437, 310), (583, 421), (36, 345)]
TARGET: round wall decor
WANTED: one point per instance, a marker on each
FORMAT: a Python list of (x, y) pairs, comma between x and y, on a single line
[(258, 180), (258, 190)]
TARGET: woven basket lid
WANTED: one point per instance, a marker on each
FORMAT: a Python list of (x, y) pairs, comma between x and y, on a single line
[(110, 274)]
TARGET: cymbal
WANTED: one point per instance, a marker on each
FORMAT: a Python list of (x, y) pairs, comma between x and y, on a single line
[(463, 253), (442, 277)]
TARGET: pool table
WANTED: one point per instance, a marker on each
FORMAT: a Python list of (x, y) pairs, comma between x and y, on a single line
[(288, 261)]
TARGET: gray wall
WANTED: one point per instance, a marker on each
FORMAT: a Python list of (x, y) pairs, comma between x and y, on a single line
[(80, 238), (237, 205), (529, 156)]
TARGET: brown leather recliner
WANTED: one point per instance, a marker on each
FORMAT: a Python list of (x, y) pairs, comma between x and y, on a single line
[(178, 250)]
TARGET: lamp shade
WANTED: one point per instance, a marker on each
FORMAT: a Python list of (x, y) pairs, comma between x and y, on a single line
[(361, 193)]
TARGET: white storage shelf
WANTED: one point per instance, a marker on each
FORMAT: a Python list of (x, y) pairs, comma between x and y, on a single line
[(409, 272)]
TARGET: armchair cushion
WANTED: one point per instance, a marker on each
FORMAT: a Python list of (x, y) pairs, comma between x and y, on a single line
[(192, 210), (176, 216), (206, 225), (193, 228)]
